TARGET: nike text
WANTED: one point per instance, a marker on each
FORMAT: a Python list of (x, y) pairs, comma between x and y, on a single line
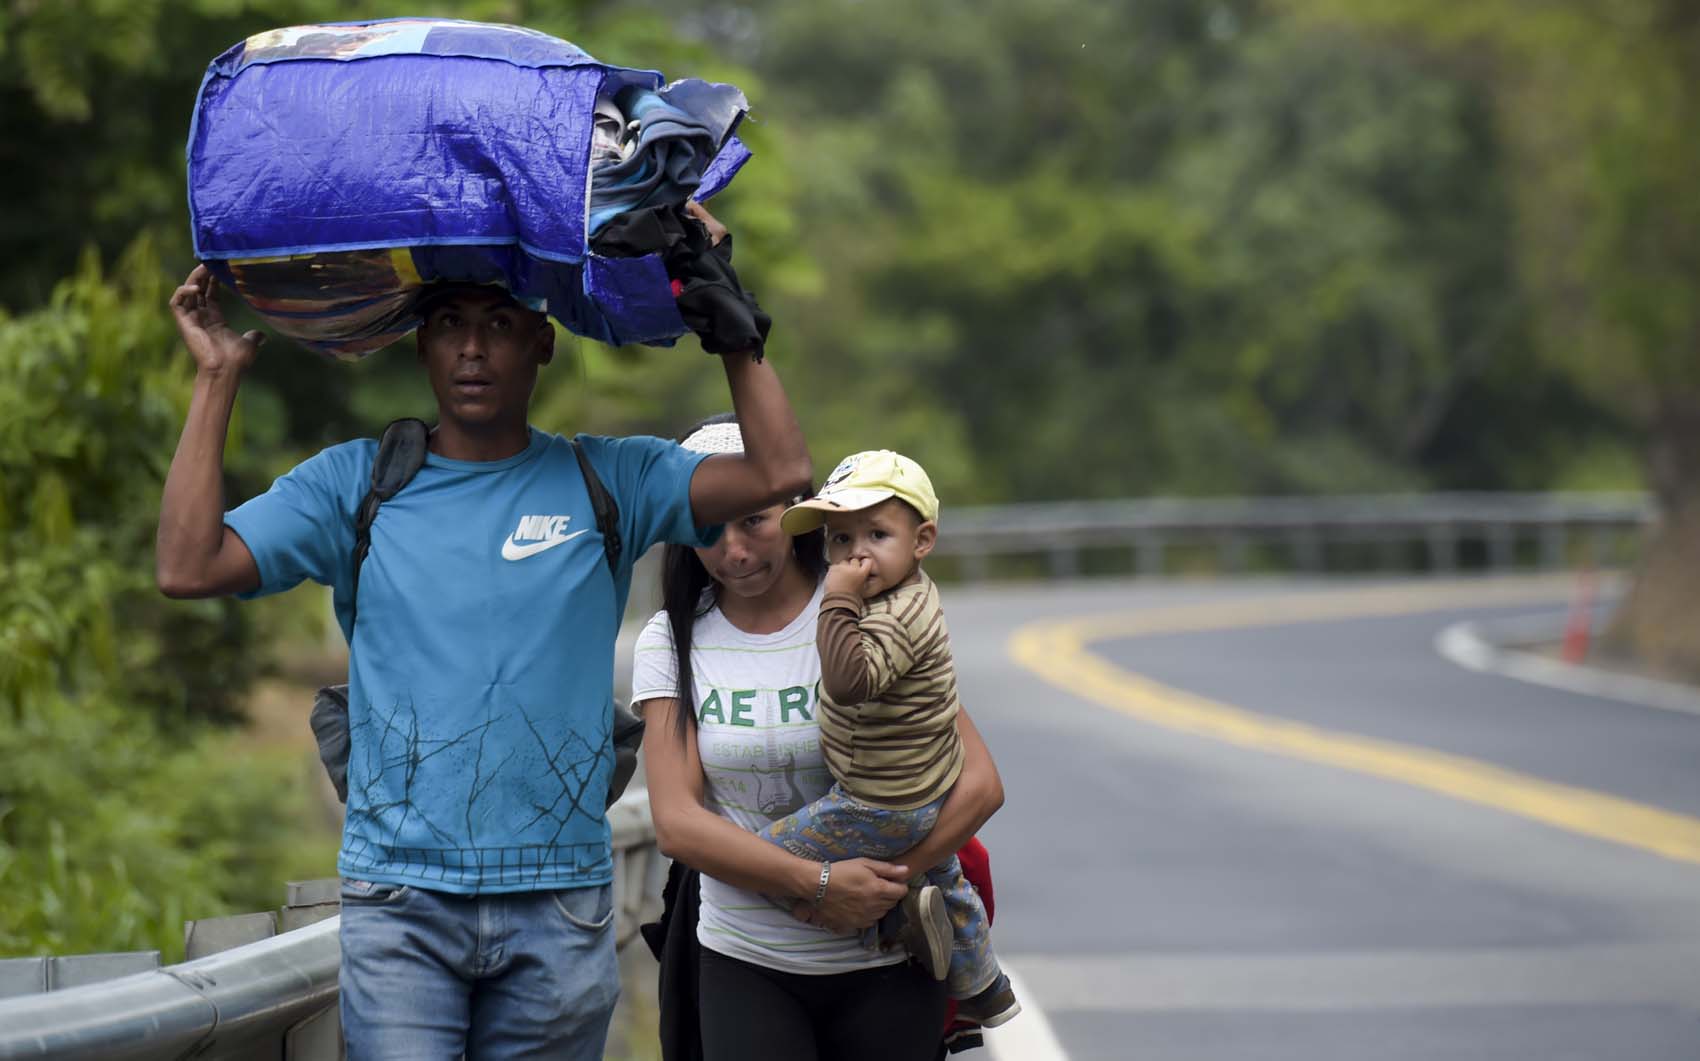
[(536, 534)]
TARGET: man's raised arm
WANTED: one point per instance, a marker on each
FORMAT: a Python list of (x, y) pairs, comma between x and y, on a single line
[(775, 464), (195, 554)]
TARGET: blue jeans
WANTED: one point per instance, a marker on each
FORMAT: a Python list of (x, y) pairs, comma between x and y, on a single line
[(429, 975)]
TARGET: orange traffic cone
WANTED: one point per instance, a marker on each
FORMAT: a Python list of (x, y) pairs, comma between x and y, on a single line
[(1578, 628)]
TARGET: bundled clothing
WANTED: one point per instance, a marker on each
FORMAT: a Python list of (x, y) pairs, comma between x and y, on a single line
[(680, 130), (336, 170), (710, 299)]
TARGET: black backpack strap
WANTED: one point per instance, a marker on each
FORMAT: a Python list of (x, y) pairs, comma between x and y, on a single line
[(401, 453), (607, 512), (627, 728)]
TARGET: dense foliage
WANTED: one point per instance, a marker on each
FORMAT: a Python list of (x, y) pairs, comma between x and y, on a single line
[(1171, 247), (1596, 102), (123, 809)]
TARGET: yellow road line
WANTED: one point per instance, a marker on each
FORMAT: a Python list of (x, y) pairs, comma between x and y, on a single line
[(1058, 651)]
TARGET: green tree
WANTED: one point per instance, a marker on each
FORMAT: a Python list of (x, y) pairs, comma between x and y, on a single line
[(94, 394), (1100, 250), (1596, 104)]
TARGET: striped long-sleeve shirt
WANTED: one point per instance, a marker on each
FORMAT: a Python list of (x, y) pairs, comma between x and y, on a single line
[(888, 713)]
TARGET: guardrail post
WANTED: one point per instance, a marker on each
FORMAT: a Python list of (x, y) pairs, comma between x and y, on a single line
[(1065, 561), (1232, 548), (318, 1037), (1389, 548), (35, 976), (1442, 549), (75, 970), (308, 902), (22, 976), (1600, 546), (1148, 555), (1307, 549), (1502, 546), (212, 935), (974, 566), (1555, 543)]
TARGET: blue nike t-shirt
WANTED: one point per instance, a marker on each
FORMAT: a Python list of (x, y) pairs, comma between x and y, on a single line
[(481, 667)]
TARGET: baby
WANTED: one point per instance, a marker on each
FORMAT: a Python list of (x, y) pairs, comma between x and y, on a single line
[(888, 714)]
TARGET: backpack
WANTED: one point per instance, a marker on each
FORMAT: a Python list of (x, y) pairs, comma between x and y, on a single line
[(401, 453)]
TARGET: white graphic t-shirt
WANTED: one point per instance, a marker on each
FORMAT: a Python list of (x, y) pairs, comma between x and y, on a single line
[(761, 760)]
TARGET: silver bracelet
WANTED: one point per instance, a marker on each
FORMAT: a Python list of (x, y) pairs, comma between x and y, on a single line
[(825, 875)]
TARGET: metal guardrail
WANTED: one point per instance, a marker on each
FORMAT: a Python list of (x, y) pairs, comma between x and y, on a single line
[(275, 998), (1437, 527)]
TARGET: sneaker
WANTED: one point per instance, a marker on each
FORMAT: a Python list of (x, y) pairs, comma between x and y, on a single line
[(990, 1007), (962, 1036), (927, 933)]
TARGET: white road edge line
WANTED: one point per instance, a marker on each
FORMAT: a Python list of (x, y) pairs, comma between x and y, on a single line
[(1028, 1037), (1465, 645)]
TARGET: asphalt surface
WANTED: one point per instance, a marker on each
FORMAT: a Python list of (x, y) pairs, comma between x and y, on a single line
[(1165, 895)]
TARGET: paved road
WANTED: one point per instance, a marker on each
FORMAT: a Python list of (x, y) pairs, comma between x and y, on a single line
[(1201, 856)]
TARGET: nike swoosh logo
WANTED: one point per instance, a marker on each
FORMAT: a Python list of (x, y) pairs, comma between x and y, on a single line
[(512, 550)]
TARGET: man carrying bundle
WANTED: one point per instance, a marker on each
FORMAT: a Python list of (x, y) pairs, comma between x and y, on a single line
[(477, 902)]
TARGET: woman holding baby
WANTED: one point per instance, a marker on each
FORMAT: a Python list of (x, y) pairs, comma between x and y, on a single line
[(781, 967)]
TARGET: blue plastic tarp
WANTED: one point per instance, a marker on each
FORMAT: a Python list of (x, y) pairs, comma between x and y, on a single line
[(335, 169)]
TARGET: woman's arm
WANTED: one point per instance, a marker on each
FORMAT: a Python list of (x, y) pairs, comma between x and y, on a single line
[(976, 796), (858, 893)]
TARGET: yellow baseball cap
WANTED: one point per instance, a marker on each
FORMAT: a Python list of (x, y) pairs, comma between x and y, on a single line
[(860, 481)]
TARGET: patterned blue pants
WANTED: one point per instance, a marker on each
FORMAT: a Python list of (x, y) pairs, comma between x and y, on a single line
[(838, 826)]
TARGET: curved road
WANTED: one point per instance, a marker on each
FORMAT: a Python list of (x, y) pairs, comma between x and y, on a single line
[(1268, 821)]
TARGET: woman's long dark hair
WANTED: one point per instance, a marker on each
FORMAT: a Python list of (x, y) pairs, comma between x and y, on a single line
[(688, 594)]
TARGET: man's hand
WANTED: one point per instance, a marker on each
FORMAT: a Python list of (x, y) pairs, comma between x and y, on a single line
[(716, 230), (214, 345), (849, 576), (858, 894)]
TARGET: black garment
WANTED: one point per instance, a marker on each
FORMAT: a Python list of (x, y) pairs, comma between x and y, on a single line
[(892, 1013), (711, 300), (673, 941)]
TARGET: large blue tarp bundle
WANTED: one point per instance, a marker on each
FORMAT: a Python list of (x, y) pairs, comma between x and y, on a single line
[(336, 169)]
